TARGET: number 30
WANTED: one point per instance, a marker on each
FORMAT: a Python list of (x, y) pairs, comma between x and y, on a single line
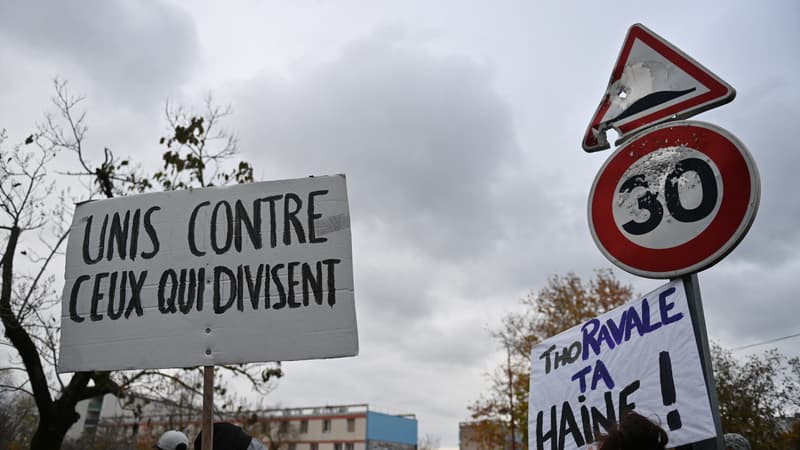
[(650, 202)]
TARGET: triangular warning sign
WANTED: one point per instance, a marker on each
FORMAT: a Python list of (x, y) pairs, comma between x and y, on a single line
[(653, 81)]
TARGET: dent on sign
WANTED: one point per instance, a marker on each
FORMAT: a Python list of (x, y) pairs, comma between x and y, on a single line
[(652, 81), (644, 85)]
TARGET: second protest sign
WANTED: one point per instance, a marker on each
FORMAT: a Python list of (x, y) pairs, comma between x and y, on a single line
[(640, 356), (246, 273)]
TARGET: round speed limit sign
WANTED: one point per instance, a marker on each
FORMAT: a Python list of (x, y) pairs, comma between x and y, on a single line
[(674, 200)]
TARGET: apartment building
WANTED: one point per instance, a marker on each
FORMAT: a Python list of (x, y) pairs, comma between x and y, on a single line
[(343, 427), (337, 427)]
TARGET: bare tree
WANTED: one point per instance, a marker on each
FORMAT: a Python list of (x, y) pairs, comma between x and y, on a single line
[(500, 414), (34, 222), (205, 145), (17, 416), (759, 396), (27, 290)]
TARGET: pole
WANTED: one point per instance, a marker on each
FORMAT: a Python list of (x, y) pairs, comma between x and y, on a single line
[(208, 407), (511, 398), (692, 287)]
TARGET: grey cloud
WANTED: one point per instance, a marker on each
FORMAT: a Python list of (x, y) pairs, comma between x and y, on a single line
[(765, 125), (421, 138), (395, 293), (453, 337), (744, 303), (135, 51)]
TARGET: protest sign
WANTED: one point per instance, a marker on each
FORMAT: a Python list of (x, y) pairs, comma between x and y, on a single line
[(640, 356), (202, 277)]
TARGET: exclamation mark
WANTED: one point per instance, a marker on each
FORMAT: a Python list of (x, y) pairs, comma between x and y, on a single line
[(668, 390)]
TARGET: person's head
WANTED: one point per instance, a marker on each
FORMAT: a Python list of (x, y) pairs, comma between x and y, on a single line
[(172, 440), (227, 436), (735, 441), (634, 432)]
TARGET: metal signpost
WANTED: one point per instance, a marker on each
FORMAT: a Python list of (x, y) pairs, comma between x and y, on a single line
[(677, 196)]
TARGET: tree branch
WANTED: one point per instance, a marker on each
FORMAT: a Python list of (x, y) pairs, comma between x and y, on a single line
[(42, 269), (17, 334)]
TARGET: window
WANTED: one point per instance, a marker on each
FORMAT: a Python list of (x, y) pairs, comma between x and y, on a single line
[(348, 446), (284, 426), (326, 425), (314, 446), (304, 426), (351, 425), (337, 446), (292, 446)]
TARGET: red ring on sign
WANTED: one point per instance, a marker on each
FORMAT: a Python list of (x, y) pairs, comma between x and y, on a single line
[(736, 200)]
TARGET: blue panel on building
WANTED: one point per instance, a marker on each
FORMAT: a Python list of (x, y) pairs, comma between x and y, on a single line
[(384, 427)]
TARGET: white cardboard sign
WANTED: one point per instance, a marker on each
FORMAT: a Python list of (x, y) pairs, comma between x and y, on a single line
[(642, 355), (245, 273)]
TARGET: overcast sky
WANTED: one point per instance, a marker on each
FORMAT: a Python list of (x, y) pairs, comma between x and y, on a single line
[(459, 127)]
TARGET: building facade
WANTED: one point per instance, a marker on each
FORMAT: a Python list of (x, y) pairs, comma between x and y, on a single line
[(339, 427), (344, 427)]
